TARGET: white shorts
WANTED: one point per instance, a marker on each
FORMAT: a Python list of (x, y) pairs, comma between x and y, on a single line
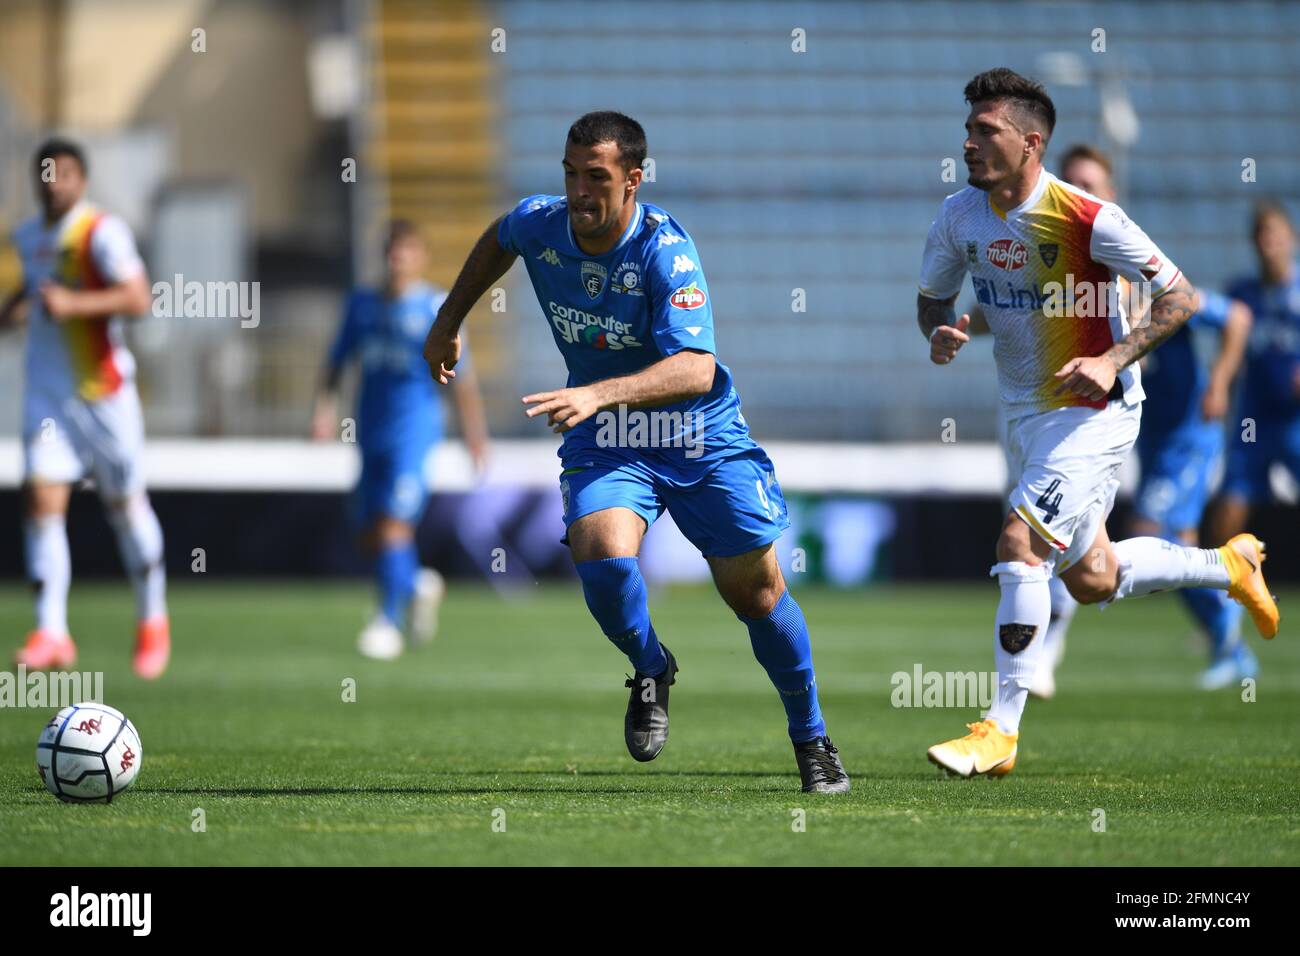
[(1065, 465), (65, 438)]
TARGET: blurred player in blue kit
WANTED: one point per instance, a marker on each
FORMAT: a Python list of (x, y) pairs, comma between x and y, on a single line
[(1266, 430), (651, 422), (398, 422)]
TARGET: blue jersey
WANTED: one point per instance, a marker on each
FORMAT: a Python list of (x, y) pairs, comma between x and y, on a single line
[(1273, 353), (617, 313), (398, 405), (1175, 375)]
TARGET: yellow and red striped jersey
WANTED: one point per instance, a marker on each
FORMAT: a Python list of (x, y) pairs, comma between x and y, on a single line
[(1049, 276), (85, 249)]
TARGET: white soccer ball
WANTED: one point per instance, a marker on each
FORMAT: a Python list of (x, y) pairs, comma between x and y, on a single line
[(88, 753)]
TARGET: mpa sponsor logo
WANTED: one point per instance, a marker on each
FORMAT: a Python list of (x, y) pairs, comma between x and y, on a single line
[(922, 688), (208, 300), (45, 689), (1007, 254), (576, 327), (77, 909), (688, 298), (636, 428)]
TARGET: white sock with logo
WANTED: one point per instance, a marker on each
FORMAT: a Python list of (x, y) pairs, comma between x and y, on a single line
[(140, 542), (1147, 565), (1023, 612), (49, 566)]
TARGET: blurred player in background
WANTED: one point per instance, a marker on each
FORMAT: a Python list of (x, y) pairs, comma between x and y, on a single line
[(1071, 389), (398, 422), (1180, 448), (1267, 429), (81, 412), (620, 284)]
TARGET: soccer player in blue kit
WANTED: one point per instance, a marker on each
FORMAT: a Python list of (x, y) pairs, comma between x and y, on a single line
[(651, 422), (399, 420), (1267, 427)]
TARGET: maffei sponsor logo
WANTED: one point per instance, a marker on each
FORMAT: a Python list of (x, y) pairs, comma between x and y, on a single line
[(576, 327), (638, 428), (1007, 254), (76, 908), (45, 689)]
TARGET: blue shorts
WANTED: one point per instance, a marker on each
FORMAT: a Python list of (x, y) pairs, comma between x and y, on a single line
[(1177, 470), (1246, 474), (732, 506), (392, 485)]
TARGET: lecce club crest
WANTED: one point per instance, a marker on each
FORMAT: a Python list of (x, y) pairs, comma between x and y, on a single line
[(1048, 251), (593, 278)]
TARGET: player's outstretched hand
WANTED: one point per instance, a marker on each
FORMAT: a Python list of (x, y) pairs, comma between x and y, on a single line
[(947, 339), (1087, 377), (442, 352), (564, 408)]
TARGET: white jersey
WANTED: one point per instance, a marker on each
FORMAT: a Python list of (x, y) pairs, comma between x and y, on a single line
[(1049, 276), (85, 249)]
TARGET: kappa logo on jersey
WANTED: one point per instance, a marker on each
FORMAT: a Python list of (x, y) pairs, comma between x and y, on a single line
[(683, 264), (1007, 254), (593, 278), (667, 239), (549, 256), (1047, 251), (688, 297)]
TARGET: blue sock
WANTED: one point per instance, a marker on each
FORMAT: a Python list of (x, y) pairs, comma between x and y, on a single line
[(615, 593), (1219, 614), (781, 644), (396, 568)]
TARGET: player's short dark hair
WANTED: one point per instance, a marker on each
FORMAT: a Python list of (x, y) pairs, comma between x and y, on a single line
[(1084, 151), (57, 146), (1028, 97), (607, 126), (1269, 207), (399, 229)]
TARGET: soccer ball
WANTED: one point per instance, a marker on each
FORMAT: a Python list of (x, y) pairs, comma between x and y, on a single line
[(88, 753)]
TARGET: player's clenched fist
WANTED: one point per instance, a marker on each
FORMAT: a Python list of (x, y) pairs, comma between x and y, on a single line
[(442, 352), (947, 339), (1088, 377)]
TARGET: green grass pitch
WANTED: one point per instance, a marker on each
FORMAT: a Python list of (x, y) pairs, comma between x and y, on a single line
[(515, 713)]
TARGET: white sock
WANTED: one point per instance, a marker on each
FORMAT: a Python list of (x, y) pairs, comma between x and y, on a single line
[(1022, 618), (140, 542), (1147, 565), (49, 566), (1063, 607)]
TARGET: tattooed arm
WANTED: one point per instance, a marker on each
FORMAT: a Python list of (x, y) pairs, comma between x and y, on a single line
[(1092, 378), (935, 317), (486, 264)]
